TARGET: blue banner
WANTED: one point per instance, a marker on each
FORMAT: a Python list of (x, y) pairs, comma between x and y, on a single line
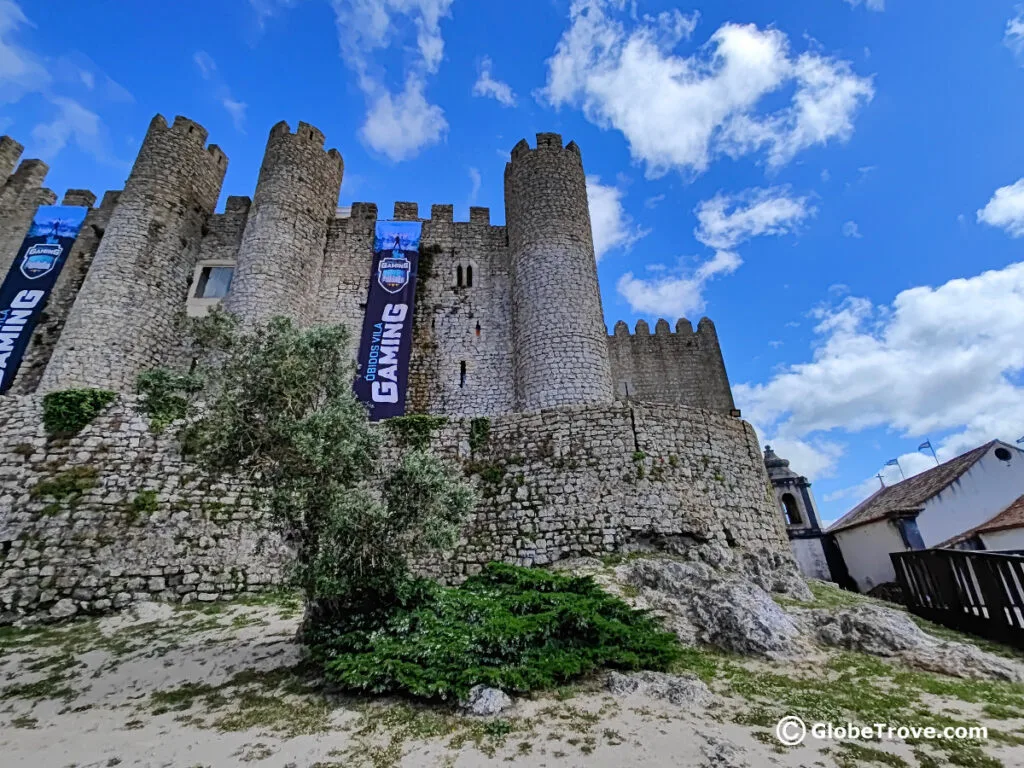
[(30, 280), (386, 343)]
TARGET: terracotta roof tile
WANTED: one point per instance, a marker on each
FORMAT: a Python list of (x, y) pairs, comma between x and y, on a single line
[(910, 495)]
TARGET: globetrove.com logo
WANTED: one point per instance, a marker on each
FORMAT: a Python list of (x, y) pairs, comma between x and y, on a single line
[(792, 730)]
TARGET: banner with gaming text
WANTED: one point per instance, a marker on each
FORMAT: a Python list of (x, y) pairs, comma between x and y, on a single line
[(30, 280), (386, 342)]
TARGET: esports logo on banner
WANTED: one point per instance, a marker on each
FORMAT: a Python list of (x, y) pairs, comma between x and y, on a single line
[(386, 343), (30, 280)]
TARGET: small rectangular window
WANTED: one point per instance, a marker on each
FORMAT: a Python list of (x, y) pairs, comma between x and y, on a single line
[(214, 282)]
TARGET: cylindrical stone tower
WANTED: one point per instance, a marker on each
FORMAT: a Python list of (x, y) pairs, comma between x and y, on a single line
[(123, 320), (282, 252), (559, 340)]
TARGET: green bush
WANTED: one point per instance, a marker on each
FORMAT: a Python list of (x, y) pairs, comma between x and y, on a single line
[(166, 395), (518, 629), (67, 412), (280, 404)]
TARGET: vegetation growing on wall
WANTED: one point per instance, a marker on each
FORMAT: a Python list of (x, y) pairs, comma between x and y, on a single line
[(67, 412), (166, 395), (479, 433), (67, 485), (414, 431)]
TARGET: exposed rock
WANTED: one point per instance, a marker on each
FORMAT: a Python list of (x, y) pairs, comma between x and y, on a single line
[(891, 633), (719, 753), (715, 607), (681, 690), (63, 609), (484, 701)]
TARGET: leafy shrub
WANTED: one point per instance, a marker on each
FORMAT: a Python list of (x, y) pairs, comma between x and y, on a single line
[(280, 405), (67, 412), (518, 629)]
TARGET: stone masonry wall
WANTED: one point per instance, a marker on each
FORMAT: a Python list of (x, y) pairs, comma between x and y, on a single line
[(681, 367), (21, 192), (558, 332), (124, 317), (564, 482), (142, 525), (282, 251)]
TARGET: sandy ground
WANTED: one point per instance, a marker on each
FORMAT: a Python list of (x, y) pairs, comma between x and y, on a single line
[(217, 686)]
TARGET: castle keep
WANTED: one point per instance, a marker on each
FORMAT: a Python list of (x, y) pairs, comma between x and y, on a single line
[(595, 441), (508, 318)]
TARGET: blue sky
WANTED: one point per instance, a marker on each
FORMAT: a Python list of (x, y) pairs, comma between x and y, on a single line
[(839, 185)]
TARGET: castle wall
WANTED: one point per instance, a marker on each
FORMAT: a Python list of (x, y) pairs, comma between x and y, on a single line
[(282, 251), (124, 318), (346, 270), (223, 237), (683, 367), (20, 195), (570, 481), (65, 290), (461, 362)]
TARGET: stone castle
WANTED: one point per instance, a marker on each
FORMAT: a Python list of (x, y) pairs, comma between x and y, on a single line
[(593, 442), (509, 318)]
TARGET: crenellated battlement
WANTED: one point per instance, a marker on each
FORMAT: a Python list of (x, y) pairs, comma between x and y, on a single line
[(492, 296), (81, 197), (684, 328), (547, 143)]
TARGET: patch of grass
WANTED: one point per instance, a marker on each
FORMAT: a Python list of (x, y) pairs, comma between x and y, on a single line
[(853, 687), (518, 629), (851, 755), (285, 715), (24, 721), (50, 687)]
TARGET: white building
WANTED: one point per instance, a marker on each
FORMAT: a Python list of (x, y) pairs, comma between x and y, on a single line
[(927, 510), (1003, 532), (803, 526)]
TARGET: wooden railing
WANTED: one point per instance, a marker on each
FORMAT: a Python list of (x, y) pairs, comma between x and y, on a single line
[(981, 593)]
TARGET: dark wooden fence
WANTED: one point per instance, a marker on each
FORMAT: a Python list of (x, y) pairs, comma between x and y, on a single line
[(981, 593)]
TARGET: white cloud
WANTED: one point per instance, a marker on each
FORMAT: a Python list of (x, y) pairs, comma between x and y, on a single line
[(398, 126), (1013, 38), (938, 360), (1006, 209), (72, 123), (724, 223), (475, 181), (872, 5), (21, 71), (681, 112), (814, 459), (208, 69), (486, 85), (850, 229), (611, 225), (652, 202)]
